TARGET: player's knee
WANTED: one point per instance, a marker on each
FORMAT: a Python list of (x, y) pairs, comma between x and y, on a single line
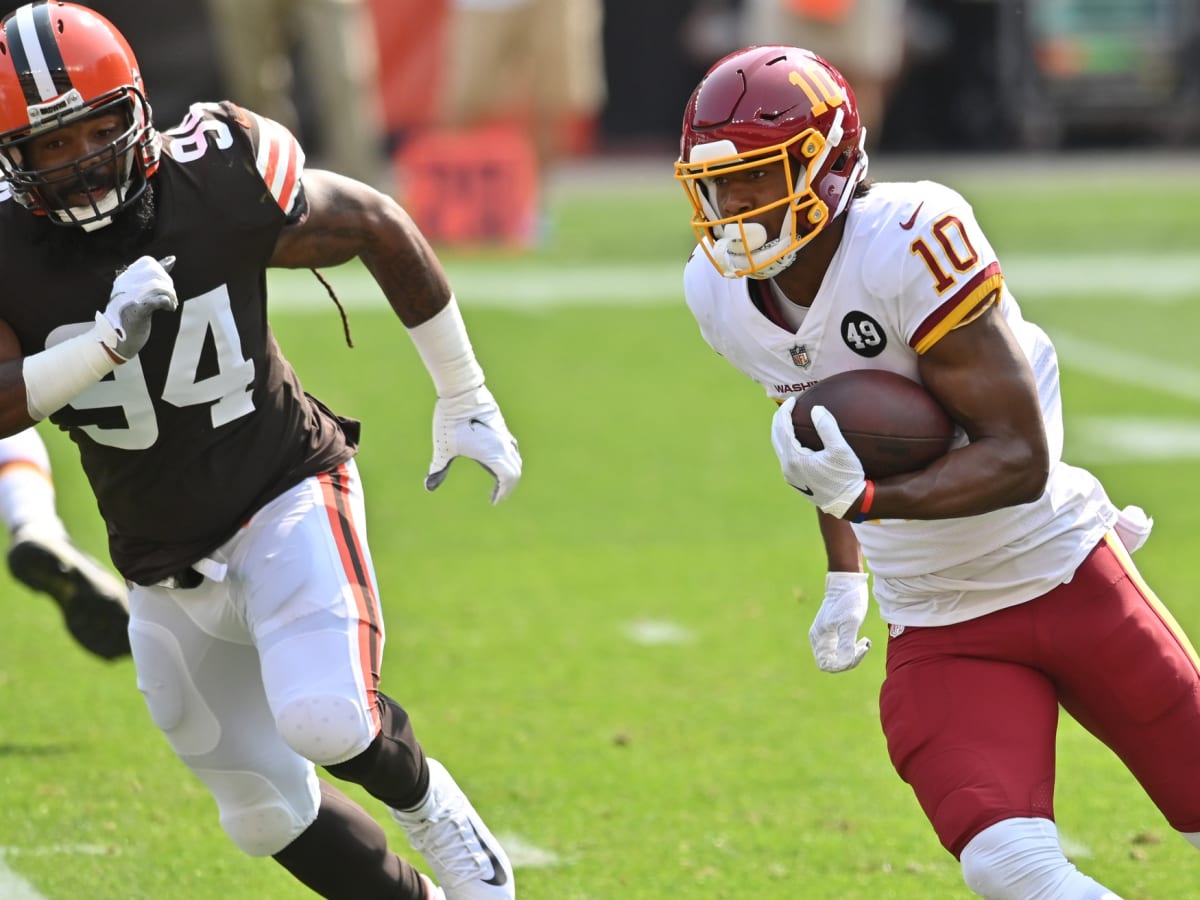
[(259, 817), (325, 729), (1020, 859)]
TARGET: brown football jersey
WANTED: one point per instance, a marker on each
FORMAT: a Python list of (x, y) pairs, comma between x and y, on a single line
[(208, 422)]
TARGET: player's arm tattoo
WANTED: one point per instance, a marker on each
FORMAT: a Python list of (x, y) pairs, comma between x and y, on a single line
[(348, 219)]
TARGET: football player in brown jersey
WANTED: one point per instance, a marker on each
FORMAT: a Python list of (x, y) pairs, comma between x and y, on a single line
[(135, 317)]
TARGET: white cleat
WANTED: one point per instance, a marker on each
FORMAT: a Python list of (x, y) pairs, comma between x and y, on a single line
[(93, 601), (467, 859)]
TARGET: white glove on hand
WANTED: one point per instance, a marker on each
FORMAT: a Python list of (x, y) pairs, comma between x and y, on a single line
[(833, 477), (138, 291), (471, 425), (834, 633)]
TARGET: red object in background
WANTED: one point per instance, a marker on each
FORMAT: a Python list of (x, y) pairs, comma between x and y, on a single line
[(471, 187), (822, 10), (410, 36)]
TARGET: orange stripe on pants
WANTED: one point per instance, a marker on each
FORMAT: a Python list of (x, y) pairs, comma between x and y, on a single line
[(335, 489)]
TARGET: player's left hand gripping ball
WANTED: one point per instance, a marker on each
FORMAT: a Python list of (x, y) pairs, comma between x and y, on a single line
[(472, 425), (832, 477)]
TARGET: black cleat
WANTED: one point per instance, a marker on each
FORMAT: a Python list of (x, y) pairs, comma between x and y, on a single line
[(93, 600)]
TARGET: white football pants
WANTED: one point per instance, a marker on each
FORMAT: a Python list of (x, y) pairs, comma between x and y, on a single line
[(272, 663)]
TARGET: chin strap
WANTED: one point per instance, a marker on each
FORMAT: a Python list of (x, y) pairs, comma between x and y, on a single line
[(90, 218), (751, 250)]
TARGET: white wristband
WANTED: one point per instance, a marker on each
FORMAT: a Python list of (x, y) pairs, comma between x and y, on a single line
[(59, 374), (444, 347)]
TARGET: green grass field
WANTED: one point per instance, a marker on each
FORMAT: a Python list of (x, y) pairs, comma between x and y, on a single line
[(615, 662)]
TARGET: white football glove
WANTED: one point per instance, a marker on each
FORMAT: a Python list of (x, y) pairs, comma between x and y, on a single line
[(138, 292), (833, 477), (834, 633), (471, 425)]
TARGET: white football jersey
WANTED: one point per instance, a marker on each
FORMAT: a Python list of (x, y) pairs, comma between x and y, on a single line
[(912, 264)]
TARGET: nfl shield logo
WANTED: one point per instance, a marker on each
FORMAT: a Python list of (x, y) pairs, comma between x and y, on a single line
[(800, 356)]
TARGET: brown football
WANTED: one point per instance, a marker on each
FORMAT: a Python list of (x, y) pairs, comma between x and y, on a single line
[(891, 422)]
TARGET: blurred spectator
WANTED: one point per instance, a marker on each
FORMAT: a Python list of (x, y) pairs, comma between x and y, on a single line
[(538, 62), (519, 85), (274, 50), (864, 39)]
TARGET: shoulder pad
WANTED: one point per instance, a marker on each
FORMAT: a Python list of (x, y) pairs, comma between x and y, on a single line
[(224, 127)]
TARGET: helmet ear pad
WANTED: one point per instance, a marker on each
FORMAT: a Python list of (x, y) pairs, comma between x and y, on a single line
[(766, 104), (60, 64)]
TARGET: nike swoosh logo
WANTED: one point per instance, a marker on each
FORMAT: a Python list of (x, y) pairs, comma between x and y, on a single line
[(499, 876), (907, 226), (806, 491)]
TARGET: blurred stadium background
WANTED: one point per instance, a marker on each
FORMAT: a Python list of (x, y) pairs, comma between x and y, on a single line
[(979, 76)]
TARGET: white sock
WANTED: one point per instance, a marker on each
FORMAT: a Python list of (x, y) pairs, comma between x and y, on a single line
[(27, 498), (1020, 859)]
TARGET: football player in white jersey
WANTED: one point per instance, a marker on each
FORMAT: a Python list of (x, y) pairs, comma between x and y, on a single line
[(1003, 572)]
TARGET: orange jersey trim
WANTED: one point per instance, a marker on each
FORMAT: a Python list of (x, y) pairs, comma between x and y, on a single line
[(279, 160)]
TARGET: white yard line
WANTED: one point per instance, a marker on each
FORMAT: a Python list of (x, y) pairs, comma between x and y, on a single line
[(1118, 439), (14, 887), (1118, 364), (1105, 439), (1144, 277), (536, 286), (653, 632), (525, 855)]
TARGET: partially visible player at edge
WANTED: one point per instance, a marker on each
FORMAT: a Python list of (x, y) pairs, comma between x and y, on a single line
[(42, 556), (1003, 572), (134, 317)]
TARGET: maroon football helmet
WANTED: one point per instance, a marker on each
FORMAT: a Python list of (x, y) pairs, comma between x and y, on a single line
[(763, 105)]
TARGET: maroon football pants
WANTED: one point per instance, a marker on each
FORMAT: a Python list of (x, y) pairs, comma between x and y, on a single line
[(970, 710)]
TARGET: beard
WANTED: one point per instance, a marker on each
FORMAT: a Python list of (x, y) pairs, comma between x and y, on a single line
[(122, 239)]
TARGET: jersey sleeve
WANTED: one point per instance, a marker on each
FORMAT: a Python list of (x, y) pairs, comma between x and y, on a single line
[(279, 159), (222, 131), (948, 271)]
